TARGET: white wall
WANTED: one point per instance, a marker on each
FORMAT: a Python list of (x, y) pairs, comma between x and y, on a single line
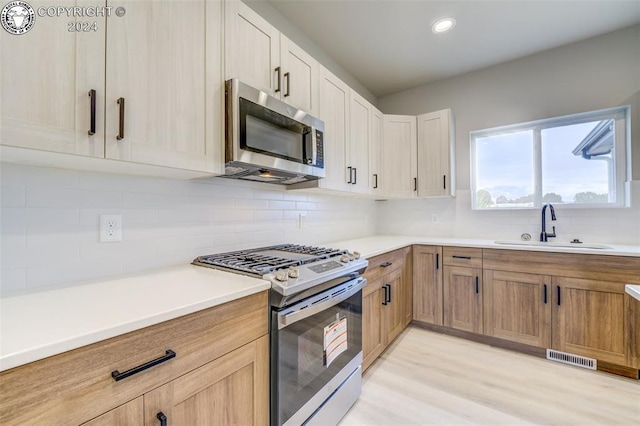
[(597, 73), (49, 222)]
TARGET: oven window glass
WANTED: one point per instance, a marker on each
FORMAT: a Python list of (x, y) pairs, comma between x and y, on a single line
[(266, 131), (303, 367)]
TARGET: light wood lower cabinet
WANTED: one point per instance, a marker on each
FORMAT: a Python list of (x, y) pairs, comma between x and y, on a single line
[(427, 284), (229, 390), (386, 302), (590, 318), (517, 307), (578, 305), (131, 413), (372, 331), (463, 298), (220, 350)]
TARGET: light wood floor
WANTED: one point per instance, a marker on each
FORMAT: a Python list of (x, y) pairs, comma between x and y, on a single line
[(430, 378)]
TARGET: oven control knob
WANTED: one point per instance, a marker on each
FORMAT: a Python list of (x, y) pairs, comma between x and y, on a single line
[(282, 276), (294, 272), (344, 258), (356, 255)]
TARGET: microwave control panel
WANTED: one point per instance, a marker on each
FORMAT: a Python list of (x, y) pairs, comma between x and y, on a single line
[(319, 149)]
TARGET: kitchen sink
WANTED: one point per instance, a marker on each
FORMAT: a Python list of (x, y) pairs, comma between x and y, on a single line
[(554, 244)]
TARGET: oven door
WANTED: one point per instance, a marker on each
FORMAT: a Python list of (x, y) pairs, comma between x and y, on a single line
[(316, 346)]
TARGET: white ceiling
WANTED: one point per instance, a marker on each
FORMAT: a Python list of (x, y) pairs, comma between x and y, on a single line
[(389, 47)]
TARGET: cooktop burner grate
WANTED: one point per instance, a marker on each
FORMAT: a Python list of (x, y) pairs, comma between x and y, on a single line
[(264, 260)]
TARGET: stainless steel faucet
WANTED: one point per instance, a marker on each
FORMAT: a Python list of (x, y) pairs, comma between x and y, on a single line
[(544, 235)]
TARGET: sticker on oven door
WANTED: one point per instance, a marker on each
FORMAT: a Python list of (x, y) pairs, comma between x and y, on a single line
[(335, 340)]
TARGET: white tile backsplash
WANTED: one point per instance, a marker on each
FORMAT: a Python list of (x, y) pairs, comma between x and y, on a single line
[(49, 222), (456, 219)]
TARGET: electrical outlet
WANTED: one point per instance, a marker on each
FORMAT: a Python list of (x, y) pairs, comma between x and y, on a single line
[(302, 219), (435, 218), (110, 228)]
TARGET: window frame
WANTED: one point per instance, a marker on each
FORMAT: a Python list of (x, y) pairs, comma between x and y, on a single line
[(622, 154)]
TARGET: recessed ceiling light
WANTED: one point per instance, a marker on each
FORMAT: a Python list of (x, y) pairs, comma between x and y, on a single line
[(443, 25)]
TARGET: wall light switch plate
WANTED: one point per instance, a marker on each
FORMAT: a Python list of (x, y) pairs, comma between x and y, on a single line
[(110, 228), (302, 219)]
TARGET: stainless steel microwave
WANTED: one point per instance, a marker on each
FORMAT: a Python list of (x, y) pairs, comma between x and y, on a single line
[(268, 140)]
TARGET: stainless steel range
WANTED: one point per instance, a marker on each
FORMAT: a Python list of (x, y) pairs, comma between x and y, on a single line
[(316, 327)]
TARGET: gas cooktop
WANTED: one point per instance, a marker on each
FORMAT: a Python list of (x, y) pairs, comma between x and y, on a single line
[(291, 268)]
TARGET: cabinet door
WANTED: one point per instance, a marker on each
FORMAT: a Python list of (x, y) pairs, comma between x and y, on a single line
[(517, 307), (299, 76), (359, 128), (392, 311), (589, 318), (463, 298), (372, 332), (375, 152), (127, 414), (399, 156), (161, 75), (427, 284), (252, 49), (47, 74), (334, 111), (436, 159), (233, 389)]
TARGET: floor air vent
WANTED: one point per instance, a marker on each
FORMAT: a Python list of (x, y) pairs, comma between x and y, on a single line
[(571, 359)]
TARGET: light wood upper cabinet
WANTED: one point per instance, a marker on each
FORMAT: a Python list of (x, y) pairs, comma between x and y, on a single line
[(358, 153), (436, 155), (259, 55), (427, 284), (158, 81), (47, 74), (162, 77), (399, 156), (252, 48), (334, 111), (375, 152), (517, 307), (299, 76)]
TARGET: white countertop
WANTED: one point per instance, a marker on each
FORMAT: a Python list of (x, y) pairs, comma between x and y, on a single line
[(373, 246), (633, 290), (37, 325)]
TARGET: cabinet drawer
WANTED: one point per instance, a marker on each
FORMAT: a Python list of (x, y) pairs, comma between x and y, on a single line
[(76, 386), (384, 264), (462, 256)]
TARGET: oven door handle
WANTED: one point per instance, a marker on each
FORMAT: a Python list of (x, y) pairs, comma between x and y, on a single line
[(286, 319)]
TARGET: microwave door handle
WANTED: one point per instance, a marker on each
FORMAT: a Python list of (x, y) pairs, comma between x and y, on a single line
[(285, 319), (307, 146)]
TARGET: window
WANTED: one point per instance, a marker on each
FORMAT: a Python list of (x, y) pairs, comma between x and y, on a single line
[(575, 160)]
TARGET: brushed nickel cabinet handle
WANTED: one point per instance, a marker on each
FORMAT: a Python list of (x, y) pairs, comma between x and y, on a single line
[(121, 121), (92, 117)]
